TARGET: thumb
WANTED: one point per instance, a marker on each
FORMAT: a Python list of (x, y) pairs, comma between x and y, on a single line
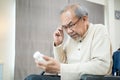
[(47, 58)]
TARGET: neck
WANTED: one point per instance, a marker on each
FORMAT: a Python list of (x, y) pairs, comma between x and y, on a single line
[(85, 30)]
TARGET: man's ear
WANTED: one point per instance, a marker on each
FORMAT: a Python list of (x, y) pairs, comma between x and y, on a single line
[(85, 18)]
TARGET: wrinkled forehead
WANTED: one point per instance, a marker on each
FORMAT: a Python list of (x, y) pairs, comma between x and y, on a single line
[(66, 17)]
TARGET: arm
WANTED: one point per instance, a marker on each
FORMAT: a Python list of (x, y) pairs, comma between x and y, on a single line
[(52, 65), (59, 53)]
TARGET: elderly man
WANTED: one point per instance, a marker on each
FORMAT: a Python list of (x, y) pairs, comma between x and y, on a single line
[(86, 51)]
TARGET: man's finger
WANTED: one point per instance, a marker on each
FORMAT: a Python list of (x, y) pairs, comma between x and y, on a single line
[(47, 58), (41, 66), (60, 29), (40, 63)]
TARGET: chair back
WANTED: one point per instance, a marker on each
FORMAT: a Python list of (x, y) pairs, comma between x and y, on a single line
[(116, 63)]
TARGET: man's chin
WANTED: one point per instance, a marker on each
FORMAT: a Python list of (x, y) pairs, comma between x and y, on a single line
[(75, 38)]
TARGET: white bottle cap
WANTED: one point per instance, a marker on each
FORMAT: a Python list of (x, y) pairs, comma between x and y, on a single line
[(38, 56)]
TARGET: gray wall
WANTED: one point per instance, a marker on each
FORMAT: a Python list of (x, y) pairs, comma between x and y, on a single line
[(36, 21)]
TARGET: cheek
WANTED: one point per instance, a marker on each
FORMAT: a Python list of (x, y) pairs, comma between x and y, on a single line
[(78, 30)]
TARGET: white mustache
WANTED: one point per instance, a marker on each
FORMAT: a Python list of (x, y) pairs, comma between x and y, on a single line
[(73, 35)]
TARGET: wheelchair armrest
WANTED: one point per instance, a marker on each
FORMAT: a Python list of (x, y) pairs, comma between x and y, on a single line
[(91, 77), (111, 77), (99, 77)]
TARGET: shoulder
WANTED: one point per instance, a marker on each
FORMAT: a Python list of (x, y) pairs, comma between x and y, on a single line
[(100, 29)]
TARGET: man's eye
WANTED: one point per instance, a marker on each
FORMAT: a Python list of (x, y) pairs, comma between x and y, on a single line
[(70, 25)]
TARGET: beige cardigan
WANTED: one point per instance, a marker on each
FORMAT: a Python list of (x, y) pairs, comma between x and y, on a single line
[(91, 56)]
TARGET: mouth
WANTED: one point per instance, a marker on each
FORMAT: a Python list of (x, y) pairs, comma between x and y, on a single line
[(73, 36)]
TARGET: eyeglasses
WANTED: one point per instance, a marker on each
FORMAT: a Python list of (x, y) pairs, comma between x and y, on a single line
[(70, 24)]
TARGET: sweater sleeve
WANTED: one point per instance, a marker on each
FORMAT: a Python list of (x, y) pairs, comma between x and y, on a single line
[(100, 63), (59, 53)]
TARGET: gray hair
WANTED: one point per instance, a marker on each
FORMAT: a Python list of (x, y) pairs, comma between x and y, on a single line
[(79, 11)]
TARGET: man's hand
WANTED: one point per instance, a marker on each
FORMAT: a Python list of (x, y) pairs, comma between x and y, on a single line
[(50, 66), (58, 36)]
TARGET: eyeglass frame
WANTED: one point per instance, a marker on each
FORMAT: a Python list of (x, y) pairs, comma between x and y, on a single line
[(70, 24)]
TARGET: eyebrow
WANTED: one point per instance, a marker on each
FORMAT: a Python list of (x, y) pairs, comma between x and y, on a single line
[(67, 24), (71, 23)]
